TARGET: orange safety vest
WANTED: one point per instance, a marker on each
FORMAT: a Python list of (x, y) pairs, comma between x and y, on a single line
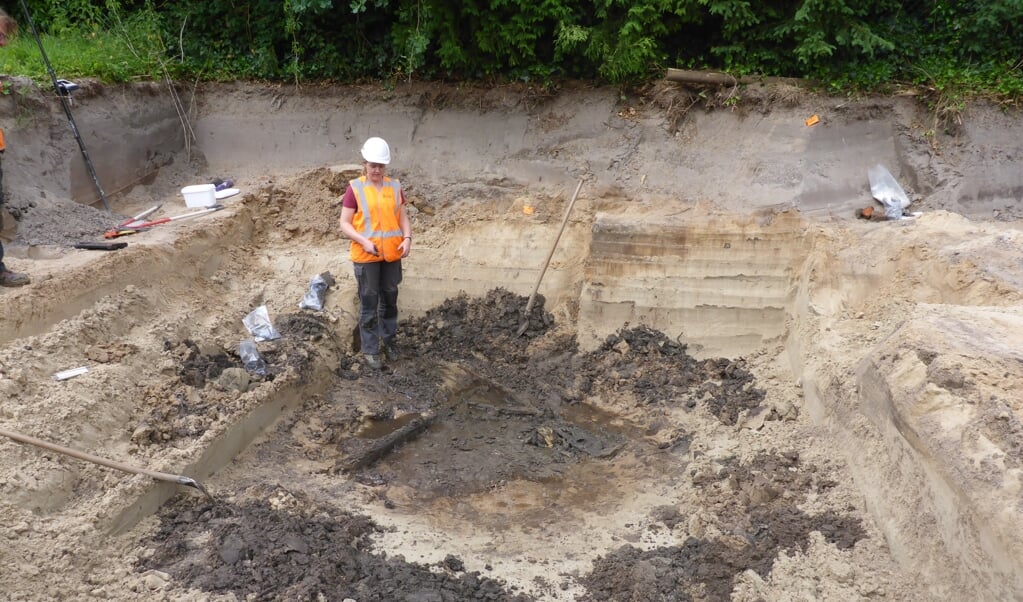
[(377, 219)]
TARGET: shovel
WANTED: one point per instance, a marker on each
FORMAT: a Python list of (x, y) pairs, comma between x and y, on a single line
[(532, 297), (74, 453), (138, 218)]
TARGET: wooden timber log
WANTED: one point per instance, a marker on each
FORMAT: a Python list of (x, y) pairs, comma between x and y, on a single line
[(384, 445), (718, 78)]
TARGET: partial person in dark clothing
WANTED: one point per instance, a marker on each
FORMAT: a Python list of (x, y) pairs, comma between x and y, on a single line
[(7, 278)]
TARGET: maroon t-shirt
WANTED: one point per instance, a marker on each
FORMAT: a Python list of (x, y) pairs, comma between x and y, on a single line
[(350, 202)]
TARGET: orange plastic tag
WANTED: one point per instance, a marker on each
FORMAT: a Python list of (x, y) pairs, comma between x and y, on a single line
[(812, 120)]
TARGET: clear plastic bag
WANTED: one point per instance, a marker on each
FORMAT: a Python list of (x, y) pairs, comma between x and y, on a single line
[(317, 292), (885, 188), (251, 360), (259, 325)]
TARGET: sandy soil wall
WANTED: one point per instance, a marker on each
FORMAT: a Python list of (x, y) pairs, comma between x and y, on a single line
[(760, 154), (723, 284), (903, 359), (129, 134)]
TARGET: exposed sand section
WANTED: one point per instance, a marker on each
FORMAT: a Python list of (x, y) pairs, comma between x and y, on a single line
[(888, 352), (170, 288), (924, 407), (938, 390), (722, 282)]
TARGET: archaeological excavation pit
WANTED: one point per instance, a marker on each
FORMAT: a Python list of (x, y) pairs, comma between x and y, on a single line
[(479, 435), (727, 388)]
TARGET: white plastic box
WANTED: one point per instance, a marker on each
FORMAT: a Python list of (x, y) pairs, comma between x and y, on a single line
[(200, 195)]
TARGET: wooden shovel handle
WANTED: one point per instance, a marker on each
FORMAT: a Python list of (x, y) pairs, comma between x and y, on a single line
[(74, 453), (543, 270)]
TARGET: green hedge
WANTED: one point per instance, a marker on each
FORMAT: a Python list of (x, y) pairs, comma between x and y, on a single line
[(847, 43)]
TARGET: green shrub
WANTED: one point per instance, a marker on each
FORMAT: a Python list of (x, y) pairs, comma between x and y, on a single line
[(867, 45)]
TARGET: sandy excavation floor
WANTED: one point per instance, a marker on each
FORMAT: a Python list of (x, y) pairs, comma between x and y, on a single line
[(729, 387)]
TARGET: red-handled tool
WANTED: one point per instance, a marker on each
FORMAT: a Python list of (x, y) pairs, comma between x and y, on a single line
[(136, 227)]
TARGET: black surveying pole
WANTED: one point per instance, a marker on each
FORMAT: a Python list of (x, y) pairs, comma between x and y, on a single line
[(64, 95)]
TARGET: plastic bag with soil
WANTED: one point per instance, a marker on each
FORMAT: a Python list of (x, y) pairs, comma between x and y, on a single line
[(885, 188), (259, 325), (317, 292)]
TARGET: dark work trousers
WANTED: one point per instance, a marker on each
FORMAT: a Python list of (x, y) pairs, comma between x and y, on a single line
[(2, 268), (378, 303)]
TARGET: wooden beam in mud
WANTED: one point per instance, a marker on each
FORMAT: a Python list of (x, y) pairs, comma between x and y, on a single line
[(718, 78), (384, 445), (505, 410)]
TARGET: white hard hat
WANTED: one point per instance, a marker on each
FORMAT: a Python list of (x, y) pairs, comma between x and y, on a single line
[(375, 150)]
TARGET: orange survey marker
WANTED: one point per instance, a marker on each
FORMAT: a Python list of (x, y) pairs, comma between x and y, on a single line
[(812, 120)]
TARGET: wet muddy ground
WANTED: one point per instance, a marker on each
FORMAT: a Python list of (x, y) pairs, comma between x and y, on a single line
[(471, 407)]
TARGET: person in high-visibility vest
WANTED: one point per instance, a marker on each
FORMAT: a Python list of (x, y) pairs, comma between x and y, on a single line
[(7, 277), (374, 217)]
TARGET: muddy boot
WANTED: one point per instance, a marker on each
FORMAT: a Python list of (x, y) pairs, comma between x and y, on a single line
[(373, 361), (391, 353), (9, 278)]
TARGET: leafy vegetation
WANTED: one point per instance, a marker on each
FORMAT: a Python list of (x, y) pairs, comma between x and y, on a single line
[(949, 48)]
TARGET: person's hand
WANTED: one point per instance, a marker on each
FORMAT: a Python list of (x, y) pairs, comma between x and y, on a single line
[(405, 247), (370, 247)]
